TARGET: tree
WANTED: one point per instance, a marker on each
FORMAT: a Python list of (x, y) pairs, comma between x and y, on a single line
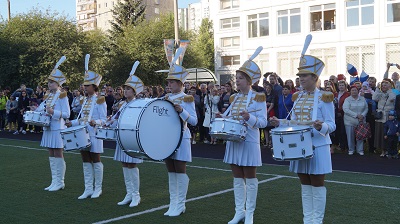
[(127, 13), (203, 45)]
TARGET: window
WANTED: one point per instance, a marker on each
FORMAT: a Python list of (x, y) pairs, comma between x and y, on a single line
[(230, 23), (288, 62), (362, 57), (393, 11), (393, 55), (106, 4), (258, 25), (360, 12), (229, 4), (328, 56), (322, 17), (230, 60), (289, 21), (157, 10), (230, 41)]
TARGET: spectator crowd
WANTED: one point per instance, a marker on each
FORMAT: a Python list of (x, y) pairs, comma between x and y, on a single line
[(365, 113)]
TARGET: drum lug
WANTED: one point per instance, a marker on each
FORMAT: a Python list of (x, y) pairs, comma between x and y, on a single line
[(283, 154), (75, 134), (302, 137), (77, 145), (281, 139), (303, 152)]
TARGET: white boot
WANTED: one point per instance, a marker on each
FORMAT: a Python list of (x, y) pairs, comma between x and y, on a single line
[(53, 173), (319, 202), (98, 179), (128, 185), (183, 184), (307, 201), (251, 199), (60, 171), (136, 185), (173, 192), (88, 177), (239, 190)]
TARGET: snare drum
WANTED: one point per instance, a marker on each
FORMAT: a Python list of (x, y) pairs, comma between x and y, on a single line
[(75, 138), (36, 118), (292, 143), (105, 133), (149, 128), (228, 129)]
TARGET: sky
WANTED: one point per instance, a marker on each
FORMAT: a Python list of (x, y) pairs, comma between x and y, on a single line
[(66, 7)]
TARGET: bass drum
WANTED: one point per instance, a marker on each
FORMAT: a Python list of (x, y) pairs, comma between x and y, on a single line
[(149, 128)]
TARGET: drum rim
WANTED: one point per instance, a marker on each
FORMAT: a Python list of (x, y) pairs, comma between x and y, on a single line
[(64, 131)]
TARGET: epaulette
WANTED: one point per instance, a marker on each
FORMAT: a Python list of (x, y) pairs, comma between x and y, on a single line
[(120, 104), (295, 95), (260, 97), (100, 100), (327, 97), (232, 98), (188, 99), (46, 95), (62, 95)]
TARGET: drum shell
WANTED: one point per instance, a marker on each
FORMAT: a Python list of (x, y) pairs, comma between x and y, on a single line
[(36, 118), (75, 138), (228, 129), (106, 134), (292, 143), (149, 128)]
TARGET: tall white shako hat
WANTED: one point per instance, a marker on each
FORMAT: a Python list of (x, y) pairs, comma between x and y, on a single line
[(133, 81), (250, 68), (56, 75), (308, 63), (91, 78), (177, 72)]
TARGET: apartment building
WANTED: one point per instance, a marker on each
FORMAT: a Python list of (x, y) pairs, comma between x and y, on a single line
[(96, 14), (364, 33)]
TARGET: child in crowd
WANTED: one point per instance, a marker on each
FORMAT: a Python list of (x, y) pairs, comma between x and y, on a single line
[(367, 89), (391, 131)]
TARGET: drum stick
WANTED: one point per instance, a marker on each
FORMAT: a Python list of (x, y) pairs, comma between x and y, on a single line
[(237, 114)]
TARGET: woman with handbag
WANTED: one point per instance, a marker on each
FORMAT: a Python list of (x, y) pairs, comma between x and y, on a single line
[(355, 110), (386, 99)]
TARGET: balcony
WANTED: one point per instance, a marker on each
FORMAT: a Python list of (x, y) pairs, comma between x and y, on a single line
[(87, 20), (84, 2)]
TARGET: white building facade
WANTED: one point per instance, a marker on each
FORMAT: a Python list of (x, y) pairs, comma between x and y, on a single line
[(364, 33)]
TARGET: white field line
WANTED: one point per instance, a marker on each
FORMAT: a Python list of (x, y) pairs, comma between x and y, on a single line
[(188, 200), (341, 171)]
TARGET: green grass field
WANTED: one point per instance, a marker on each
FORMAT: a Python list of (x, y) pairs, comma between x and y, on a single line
[(352, 197)]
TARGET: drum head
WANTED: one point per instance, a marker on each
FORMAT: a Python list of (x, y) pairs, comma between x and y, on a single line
[(160, 129)]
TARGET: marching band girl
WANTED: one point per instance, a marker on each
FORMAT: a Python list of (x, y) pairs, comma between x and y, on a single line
[(56, 106), (132, 86), (244, 157), (93, 113), (176, 164), (315, 108)]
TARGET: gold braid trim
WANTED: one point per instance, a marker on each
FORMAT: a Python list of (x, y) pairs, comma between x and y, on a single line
[(327, 97), (46, 95), (188, 99), (232, 98), (294, 96), (81, 100), (120, 104), (260, 97), (101, 100), (62, 95)]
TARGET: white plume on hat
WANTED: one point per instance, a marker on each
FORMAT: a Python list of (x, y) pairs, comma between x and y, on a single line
[(177, 72), (91, 78), (56, 75), (133, 81)]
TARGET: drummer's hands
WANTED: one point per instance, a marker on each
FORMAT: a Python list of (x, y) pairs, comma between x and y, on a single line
[(50, 110), (274, 121), (318, 125), (245, 115), (92, 123), (218, 115), (178, 108), (68, 123)]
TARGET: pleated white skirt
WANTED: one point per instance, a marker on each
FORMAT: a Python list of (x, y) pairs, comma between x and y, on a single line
[(243, 153), (52, 139), (320, 163), (184, 152), (121, 156)]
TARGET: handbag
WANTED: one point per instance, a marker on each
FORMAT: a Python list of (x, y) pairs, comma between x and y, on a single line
[(362, 131)]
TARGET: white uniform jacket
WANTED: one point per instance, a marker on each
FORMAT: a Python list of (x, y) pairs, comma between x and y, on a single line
[(61, 110)]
